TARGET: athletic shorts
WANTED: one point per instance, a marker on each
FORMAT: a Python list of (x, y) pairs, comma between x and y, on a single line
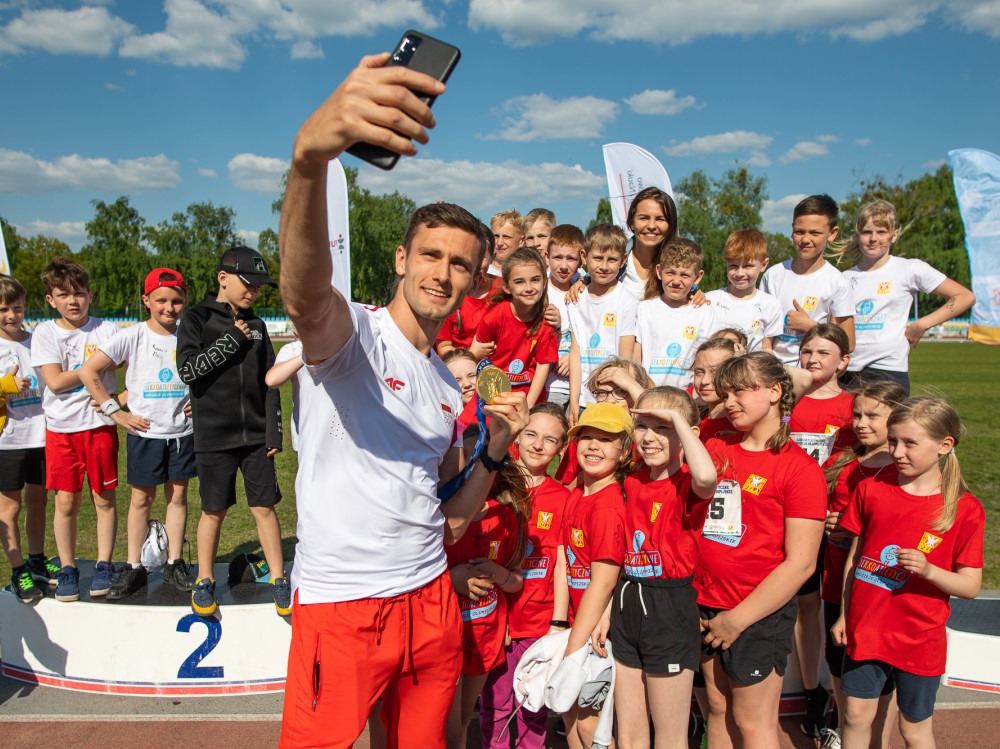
[(654, 625), (20, 467), (343, 656), (217, 478), (153, 461), (69, 455), (815, 580), (762, 648), (915, 694), (835, 654)]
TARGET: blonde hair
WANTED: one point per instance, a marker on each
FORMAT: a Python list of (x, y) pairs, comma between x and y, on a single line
[(671, 397), (677, 251), (634, 368), (882, 213), (756, 370), (605, 237), (940, 420), (544, 215), (509, 216)]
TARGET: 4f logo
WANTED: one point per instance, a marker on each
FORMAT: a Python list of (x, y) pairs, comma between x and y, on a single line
[(810, 303), (609, 319), (689, 332), (395, 384), (576, 536), (928, 543), (655, 511), (884, 287), (494, 549), (544, 520), (754, 484)]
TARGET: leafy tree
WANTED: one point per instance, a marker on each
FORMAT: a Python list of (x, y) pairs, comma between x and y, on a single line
[(603, 215), (11, 241), (115, 256), (33, 255), (267, 246)]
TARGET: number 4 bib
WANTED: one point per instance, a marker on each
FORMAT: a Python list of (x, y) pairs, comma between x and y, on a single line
[(725, 513)]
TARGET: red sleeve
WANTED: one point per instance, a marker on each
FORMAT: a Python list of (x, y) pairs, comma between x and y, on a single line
[(969, 544), (509, 522), (489, 327), (547, 349), (606, 534), (852, 517), (448, 329), (804, 491)]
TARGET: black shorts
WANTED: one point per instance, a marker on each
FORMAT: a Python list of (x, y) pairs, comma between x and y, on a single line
[(153, 461), (762, 648), (835, 654), (815, 580), (217, 476), (20, 467), (654, 625)]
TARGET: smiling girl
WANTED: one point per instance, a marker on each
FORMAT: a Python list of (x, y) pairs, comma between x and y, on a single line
[(526, 345)]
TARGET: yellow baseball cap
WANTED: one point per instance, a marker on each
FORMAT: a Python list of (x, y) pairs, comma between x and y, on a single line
[(608, 417)]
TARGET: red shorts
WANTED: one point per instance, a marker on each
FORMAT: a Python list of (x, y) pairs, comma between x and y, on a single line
[(343, 656), (69, 455)]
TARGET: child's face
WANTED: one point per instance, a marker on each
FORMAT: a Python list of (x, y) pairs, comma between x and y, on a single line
[(12, 316), (743, 274), (822, 359), (608, 392), (914, 451), (603, 265), (71, 304), (746, 408), (540, 442), (564, 261), (598, 452), (525, 286), (677, 280), (233, 291), (508, 238), (876, 241), (650, 225), (165, 305), (536, 237), (465, 375), (705, 364), (810, 235), (656, 439), (870, 422)]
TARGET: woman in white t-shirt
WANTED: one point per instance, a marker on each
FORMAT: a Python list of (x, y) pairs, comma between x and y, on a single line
[(883, 288)]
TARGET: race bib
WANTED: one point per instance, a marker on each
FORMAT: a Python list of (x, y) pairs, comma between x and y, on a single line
[(725, 513), (819, 446)]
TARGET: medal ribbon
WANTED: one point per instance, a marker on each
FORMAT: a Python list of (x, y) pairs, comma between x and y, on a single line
[(453, 485)]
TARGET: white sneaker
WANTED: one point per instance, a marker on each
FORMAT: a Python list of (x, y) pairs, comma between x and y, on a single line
[(830, 739)]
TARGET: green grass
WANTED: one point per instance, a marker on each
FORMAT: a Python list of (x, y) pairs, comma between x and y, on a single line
[(965, 373)]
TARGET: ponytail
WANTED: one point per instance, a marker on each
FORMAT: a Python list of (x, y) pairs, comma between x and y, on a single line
[(512, 490), (756, 370)]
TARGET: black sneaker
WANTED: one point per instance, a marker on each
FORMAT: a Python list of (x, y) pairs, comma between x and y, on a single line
[(177, 575), (24, 586), (817, 702), (43, 568), (129, 580), (560, 727)]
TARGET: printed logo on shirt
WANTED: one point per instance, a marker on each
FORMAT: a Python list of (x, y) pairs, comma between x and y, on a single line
[(483, 606), (866, 307), (576, 536), (609, 319), (727, 539), (544, 521), (395, 384), (517, 374), (595, 340), (165, 375), (447, 413), (89, 350), (639, 563), (369, 308), (756, 326), (754, 484), (928, 542), (689, 332), (655, 511), (578, 575), (865, 320), (882, 572), (810, 303), (831, 429), (534, 567), (885, 287), (494, 549), (30, 397), (674, 350)]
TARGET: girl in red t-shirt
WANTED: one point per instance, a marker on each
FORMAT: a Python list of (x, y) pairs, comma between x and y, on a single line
[(759, 543), (919, 541), (485, 567), (844, 471), (525, 345), (709, 358)]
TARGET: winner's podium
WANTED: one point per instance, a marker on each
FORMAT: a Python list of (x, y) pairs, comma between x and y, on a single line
[(974, 645), (148, 644)]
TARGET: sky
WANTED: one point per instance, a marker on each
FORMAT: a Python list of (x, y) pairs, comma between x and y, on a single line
[(172, 102)]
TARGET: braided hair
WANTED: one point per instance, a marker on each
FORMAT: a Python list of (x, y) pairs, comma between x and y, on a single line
[(756, 370)]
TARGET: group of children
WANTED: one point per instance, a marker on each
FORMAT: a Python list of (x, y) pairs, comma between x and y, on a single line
[(726, 460), (198, 405)]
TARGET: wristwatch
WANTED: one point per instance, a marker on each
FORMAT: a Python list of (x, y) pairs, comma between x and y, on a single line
[(493, 465)]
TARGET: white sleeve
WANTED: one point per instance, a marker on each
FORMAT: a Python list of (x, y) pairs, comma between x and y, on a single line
[(44, 347), (288, 352), (842, 303), (353, 353), (629, 310), (774, 318), (766, 281), (121, 346), (923, 276)]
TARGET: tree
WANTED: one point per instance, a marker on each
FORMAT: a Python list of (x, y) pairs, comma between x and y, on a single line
[(115, 256), (11, 241), (603, 215), (32, 257)]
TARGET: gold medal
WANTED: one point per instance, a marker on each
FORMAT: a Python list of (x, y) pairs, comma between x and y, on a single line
[(490, 382)]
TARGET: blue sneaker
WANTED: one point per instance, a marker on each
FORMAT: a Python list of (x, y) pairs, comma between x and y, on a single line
[(104, 576), (203, 597), (281, 591), (43, 568), (68, 584)]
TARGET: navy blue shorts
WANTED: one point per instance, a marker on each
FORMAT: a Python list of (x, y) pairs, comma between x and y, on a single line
[(915, 694), (151, 461)]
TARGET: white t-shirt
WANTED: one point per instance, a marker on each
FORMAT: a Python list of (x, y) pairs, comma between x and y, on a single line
[(759, 317), (155, 391), (882, 301), (376, 420), (70, 411), (670, 336), (25, 427), (555, 383), (288, 352), (598, 323), (823, 294), (630, 280)]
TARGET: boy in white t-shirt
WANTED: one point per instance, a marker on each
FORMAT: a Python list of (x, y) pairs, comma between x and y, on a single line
[(565, 254), (669, 328), (740, 305), (22, 448), (287, 363), (159, 435), (602, 322), (78, 439), (810, 290)]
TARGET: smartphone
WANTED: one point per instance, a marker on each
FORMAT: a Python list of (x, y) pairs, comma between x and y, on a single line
[(424, 54)]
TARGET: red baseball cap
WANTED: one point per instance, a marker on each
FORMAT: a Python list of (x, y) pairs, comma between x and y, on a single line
[(163, 277)]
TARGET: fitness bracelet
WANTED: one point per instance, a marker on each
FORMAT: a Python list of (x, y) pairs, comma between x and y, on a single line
[(493, 465), (109, 407)]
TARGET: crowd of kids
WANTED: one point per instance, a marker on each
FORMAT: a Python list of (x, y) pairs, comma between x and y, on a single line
[(729, 463), (702, 473)]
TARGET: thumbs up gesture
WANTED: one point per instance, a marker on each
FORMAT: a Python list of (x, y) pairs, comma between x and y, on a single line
[(21, 383), (798, 318)]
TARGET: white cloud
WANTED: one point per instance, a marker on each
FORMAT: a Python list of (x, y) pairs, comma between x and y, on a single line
[(828, 138), (306, 50), (22, 173), (73, 233), (248, 237), (803, 150), (758, 158), (112, 86), (539, 117), (207, 173), (862, 141), (777, 214), (659, 102), (256, 173), (934, 164), (736, 140), (194, 36), (84, 31), (482, 186), (522, 22)]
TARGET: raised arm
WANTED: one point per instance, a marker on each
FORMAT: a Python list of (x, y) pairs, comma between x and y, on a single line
[(373, 104)]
